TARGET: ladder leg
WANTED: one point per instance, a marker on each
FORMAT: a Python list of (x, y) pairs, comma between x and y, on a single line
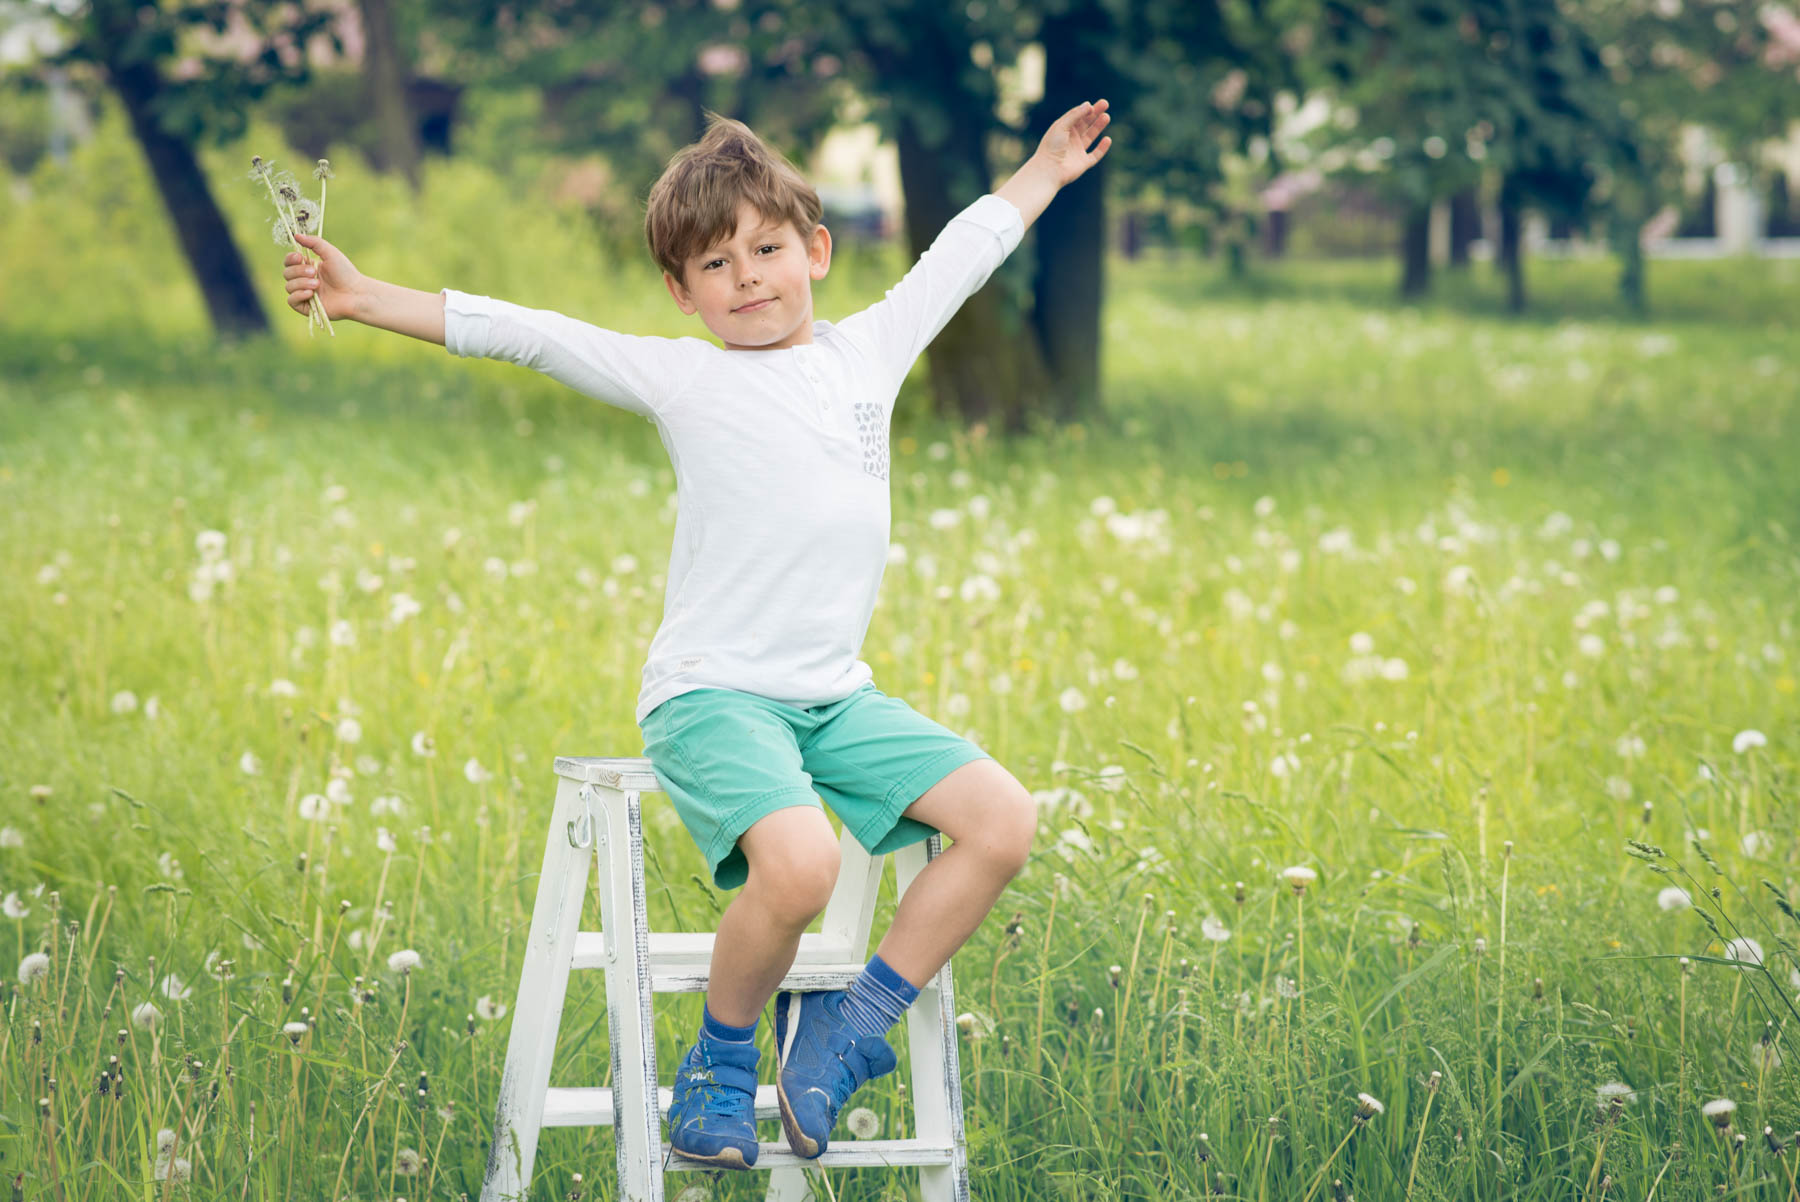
[(537, 1012), (637, 1118), (931, 1039)]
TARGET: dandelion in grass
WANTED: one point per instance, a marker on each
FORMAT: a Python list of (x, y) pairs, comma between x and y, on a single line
[(124, 702), (145, 1016), (422, 745), (1765, 1053), (1071, 700), (280, 687), (1299, 877), (1614, 1095), (404, 960), (1746, 951), (10, 837), (174, 990), (1719, 1112), (474, 773), (863, 1123), (34, 967), (407, 1162), (489, 1009), (12, 907), (1757, 845), (1673, 897), (314, 807), (1746, 741), (294, 1032), (1213, 929)]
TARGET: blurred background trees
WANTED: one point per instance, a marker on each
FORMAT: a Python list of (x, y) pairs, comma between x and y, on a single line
[(1438, 133)]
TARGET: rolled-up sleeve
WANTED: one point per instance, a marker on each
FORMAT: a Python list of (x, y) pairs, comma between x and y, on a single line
[(630, 371), (897, 329)]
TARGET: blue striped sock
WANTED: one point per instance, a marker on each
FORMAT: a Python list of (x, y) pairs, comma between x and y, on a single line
[(722, 1032), (877, 998)]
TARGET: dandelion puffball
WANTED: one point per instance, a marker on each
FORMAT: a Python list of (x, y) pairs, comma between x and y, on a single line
[(34, 967), (1746, 740), (863, 1123), (404, 960), (1299, 876), (1746, 949), (1673, 897)]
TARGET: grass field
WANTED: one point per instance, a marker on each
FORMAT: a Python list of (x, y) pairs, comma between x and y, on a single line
[(1445, 606)]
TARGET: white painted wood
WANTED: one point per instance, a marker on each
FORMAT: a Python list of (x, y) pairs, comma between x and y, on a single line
[(631, 773), (537, 1012), (631, 1019), (936, 1071), (598, 820)]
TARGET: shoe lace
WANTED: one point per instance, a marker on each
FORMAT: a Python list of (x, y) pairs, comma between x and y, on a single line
[(704, 1088)]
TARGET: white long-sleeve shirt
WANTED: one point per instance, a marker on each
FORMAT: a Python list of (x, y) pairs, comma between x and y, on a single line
[(781, 465)]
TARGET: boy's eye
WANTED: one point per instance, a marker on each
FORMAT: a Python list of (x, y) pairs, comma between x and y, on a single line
[(764, 246)]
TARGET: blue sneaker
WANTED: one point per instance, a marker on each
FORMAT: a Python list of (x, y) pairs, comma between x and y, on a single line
[(823, 1061), (712, 1117)]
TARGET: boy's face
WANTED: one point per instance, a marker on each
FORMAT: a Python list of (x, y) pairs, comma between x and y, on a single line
[(763, 263)]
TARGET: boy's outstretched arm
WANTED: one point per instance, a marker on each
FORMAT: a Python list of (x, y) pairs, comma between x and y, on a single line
[(347, 292), (1061, 158)]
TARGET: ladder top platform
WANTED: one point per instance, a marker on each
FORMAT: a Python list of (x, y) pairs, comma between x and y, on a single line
[(626, 772)]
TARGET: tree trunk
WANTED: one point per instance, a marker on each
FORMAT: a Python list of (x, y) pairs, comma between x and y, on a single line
[(205, 238), (1511, 257), (1069, 256), (1465, 225), (1415, 252), (981, 369), (1275, 243), (385, 70)]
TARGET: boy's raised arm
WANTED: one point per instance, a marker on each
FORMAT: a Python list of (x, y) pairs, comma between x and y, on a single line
[(896, 330), (347, 292), (1061, 158)]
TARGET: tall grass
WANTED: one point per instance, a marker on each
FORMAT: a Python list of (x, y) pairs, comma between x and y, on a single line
[(1488, 623)]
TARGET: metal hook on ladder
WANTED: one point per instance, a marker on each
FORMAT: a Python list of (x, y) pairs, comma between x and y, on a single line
[(581, 830)]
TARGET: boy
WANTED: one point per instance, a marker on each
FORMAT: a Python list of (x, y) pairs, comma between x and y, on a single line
[(753, 700)]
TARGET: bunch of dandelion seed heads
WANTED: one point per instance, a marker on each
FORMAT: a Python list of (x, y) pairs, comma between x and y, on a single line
[(295, 214)]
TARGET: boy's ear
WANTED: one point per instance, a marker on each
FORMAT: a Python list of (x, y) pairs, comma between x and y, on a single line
[(818, 251), (680, 294)]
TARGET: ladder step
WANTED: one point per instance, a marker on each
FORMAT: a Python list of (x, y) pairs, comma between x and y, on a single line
[(679, 968), (852, 1153), (592, 1106), (674, 949)]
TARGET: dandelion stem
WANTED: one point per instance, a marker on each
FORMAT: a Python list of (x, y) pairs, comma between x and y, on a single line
[(1419, 1143), (1319, 1178), (1037, 1043), (1500, 988)]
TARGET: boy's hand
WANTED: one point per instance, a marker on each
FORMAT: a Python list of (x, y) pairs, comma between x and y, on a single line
[(1064, 149), (333, 278)]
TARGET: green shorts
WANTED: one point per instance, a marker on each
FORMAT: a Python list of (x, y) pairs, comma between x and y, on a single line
[(727, 758)]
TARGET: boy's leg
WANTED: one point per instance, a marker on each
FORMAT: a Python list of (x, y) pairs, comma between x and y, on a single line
[(895, 775), (793, 856), (991, 820)]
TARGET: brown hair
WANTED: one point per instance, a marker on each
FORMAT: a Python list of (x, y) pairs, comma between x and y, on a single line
[(693, 205)]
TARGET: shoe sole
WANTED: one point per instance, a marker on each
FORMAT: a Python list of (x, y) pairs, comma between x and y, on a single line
[(802, 1145), (729, 1158)]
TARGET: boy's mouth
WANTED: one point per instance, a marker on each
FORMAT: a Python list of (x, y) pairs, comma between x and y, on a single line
[(755, 305)]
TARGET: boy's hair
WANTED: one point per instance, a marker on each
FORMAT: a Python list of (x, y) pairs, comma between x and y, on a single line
[(693, 205)]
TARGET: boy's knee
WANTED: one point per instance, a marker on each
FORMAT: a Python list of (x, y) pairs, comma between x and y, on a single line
[(1014, 829), (796, 878)]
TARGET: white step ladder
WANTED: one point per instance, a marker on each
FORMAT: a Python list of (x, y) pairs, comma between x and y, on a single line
[(598, 819)]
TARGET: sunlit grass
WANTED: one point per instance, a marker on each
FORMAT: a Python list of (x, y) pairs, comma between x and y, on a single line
[(1443, 607)]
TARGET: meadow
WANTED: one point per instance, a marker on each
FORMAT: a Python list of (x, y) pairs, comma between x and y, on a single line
[(1409, 693)]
